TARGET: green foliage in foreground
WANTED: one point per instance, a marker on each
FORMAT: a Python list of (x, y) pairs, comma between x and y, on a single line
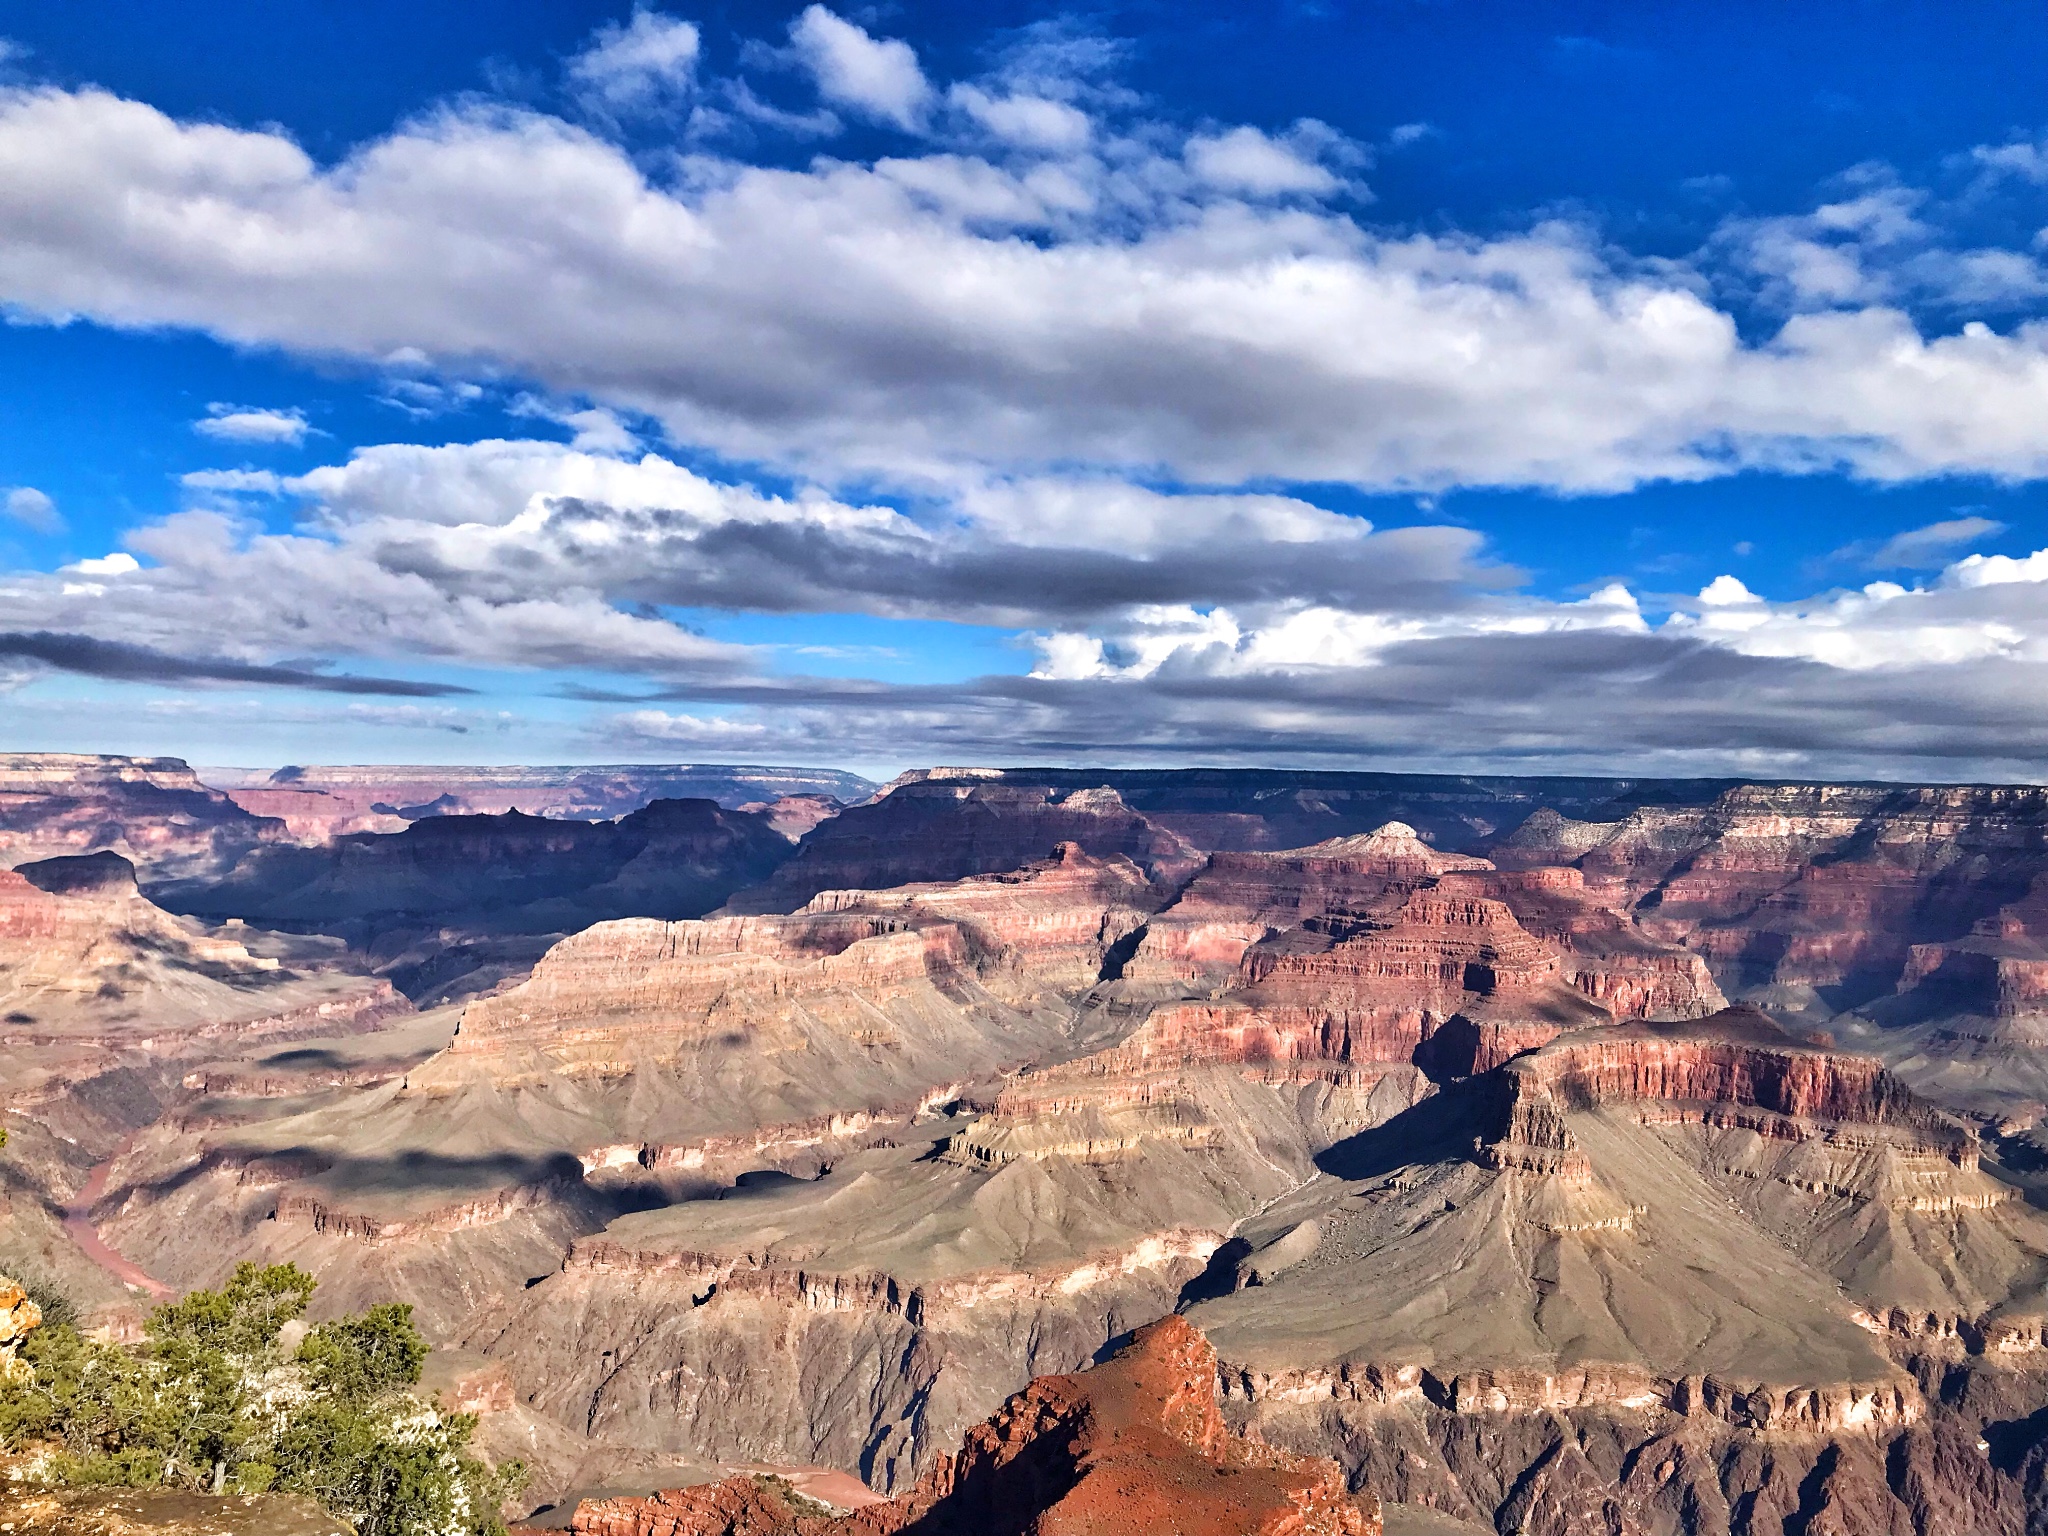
[(218, 1397)]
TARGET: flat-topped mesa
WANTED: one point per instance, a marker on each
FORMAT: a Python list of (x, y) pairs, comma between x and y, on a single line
[(936, 832), (1136, 1444), (321, 803)]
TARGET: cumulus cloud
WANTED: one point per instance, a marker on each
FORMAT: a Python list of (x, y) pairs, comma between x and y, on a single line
[(250, 424), (1884, 244), (1232, 626), (877, 76), (651, 59), (852, 321), (972, 366), (33, 509), (216, 583), (1940, 683)]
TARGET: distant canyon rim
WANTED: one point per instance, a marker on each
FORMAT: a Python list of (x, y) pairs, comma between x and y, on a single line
[(1334, 1151)]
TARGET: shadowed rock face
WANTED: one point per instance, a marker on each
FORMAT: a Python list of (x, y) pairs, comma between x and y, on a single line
[(1138, 1444), (926, 833), (443, 905)]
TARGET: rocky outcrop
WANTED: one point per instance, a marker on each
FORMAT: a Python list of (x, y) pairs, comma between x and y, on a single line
[(89, 967), (19, 1317), (849, 962), (1138, 1443)]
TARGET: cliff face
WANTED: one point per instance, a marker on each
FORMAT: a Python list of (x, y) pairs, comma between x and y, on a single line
[(89, 967), (1378, 948), (841, 963), (1138, 1443), (151, 810)]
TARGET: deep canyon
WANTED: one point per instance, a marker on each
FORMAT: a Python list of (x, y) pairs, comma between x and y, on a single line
[(1296, 1151)]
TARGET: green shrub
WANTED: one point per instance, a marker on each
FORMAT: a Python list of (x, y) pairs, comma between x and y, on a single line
[(212, 1400)]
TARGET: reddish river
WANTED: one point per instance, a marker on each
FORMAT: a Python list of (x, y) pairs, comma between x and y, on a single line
[(78, 1222)]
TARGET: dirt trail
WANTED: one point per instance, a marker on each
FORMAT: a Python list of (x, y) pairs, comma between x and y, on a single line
[(78, 1222)]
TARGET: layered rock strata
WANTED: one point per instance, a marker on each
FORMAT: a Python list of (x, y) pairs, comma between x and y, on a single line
[(151, 810)]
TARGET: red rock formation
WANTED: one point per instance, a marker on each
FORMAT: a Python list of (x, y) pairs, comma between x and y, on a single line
[(1807, 885), (1239, 898), (1737, 1059), (1136, 1445)]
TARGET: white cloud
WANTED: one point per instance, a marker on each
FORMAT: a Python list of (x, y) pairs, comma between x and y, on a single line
[(120, 563), (855, 322), (1030, 122), (537, 555), (33, 509), (251, 424), (1245, 160), (712, 731), (650, 59), (596, 429), (1884, 245), (878, 76)]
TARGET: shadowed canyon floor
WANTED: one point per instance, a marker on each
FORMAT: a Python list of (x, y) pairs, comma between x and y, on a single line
[(1547, 1155)]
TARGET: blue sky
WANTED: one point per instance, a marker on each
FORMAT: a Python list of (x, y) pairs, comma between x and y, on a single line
[(1519, 387)]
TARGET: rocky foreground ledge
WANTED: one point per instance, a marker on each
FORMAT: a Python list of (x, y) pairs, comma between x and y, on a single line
[(1137, 1444)]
